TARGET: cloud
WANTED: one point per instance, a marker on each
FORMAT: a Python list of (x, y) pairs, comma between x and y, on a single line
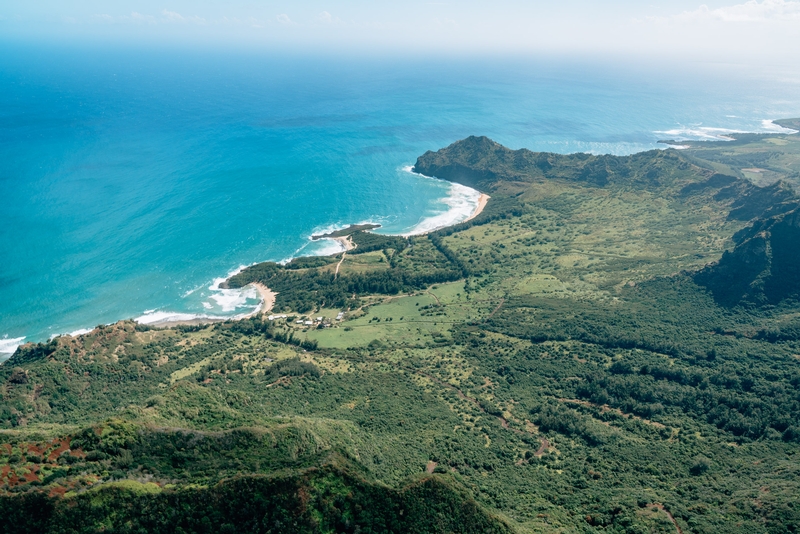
[(173, 16), (103, 17), (326, 19), (138, 17), (750, 11), (283, 18)]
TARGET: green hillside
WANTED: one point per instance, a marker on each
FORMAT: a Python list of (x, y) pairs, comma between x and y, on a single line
[(583, 356)]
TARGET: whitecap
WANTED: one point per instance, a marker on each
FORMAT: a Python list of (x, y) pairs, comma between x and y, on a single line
[(769, 126), (229, 300), (9, 345), (80, 332), (707, 133), (191, 291), (329, 229), (165, 316), (461, 202), (700, 133)]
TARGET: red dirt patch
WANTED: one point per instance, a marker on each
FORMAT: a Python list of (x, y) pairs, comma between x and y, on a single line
[(31, 475), (58, 491), (430, 467), (35, 449), (7, 447), (63, 445)]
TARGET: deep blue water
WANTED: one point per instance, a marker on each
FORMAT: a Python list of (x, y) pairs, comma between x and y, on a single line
[(131, 181)]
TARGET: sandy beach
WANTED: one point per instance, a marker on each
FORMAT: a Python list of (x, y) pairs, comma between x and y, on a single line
[(267, 298), (267, 303), (482, 201)]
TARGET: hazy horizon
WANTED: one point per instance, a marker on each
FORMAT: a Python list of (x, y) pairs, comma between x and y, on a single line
[(756, 33)]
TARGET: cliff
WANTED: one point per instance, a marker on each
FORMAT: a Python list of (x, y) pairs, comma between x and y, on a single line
[(763, 268)]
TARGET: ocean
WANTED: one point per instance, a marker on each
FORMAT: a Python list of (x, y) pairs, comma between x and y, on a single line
[(134, 181)]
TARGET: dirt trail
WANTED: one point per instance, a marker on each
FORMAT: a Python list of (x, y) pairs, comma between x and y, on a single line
[(434, 296), (348, 245), (497, 309), (336, 274), (284, 380), (669, 515)]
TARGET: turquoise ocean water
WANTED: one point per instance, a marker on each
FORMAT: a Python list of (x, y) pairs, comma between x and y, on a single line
[(132, 182)]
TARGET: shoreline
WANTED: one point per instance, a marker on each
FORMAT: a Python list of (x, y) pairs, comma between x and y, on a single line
[(482, 201), (265, 306), (267, 300), (267, 295), (346, 243)]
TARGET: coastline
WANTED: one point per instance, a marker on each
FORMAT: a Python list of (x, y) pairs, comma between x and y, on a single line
[(345, 242), (482, 201), (265, 293), (265, 306), (267, 300)]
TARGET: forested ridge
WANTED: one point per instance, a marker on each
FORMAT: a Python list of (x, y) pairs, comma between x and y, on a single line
[(612, 345)]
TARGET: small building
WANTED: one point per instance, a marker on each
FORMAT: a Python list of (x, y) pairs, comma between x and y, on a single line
[(308, 323)]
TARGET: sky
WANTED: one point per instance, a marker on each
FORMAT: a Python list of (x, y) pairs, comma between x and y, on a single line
[(754, 31)]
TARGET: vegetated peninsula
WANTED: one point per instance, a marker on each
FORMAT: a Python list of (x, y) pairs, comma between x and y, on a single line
[(611, 345)]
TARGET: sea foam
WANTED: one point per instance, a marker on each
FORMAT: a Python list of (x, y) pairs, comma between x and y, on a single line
[(9, 345), (700, 133), (461, 202), (707, 133), (80, 332), (769, 126), (167, 316)]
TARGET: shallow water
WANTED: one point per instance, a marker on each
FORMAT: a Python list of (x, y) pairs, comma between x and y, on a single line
[(134, 182)]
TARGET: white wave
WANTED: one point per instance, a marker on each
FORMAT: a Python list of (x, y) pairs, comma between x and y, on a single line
[(322, 230), (317, 247), (166, 316), (191, 291), (326, 247), (222, 303), (700, 133), (80, 332), (461, 202), (218, 281), (769, 126), (230, 299), (706, 133), (9, 345)]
